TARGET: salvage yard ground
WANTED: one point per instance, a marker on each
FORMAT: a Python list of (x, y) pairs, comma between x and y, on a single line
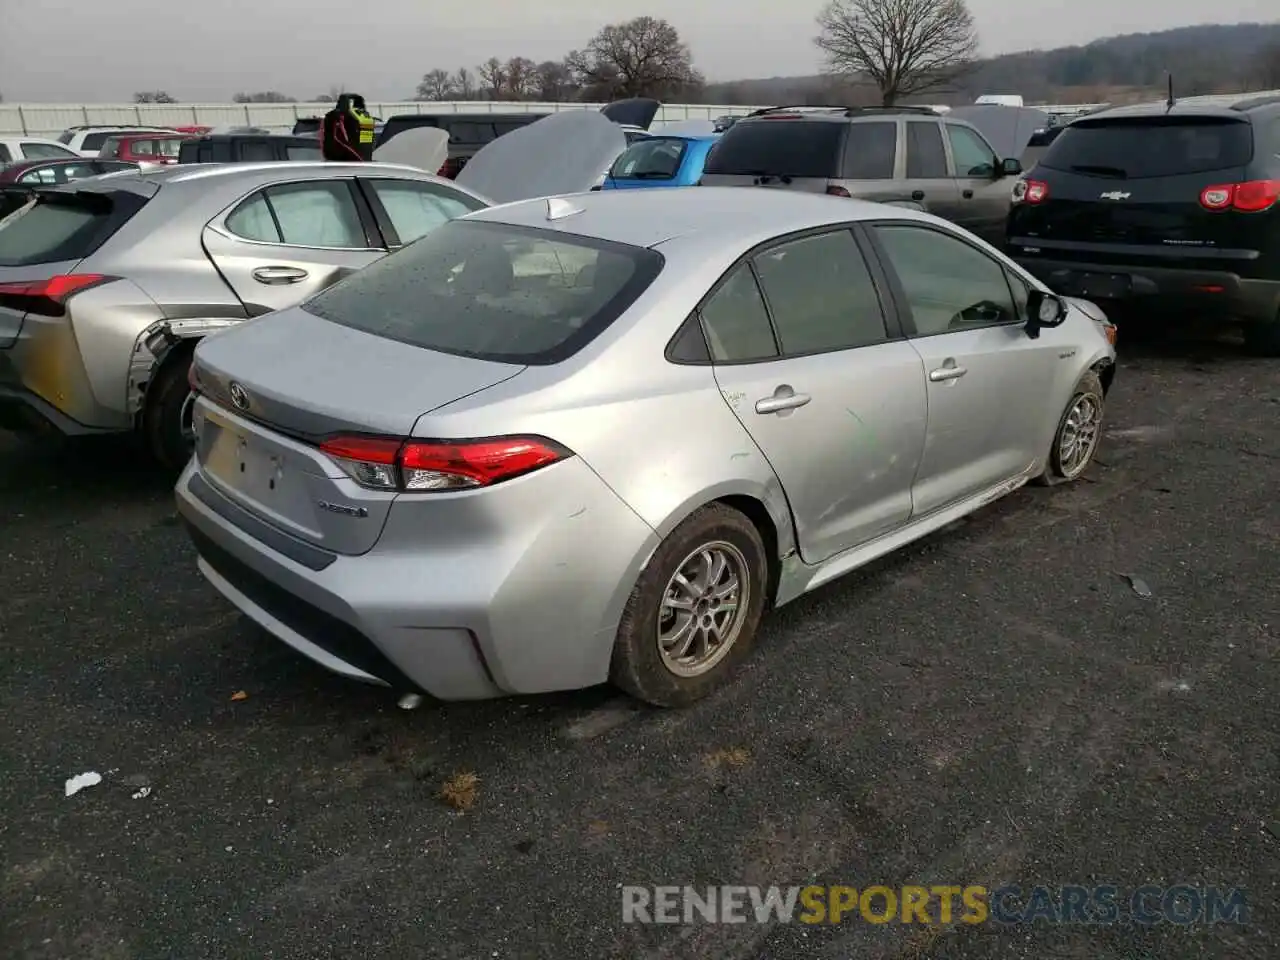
[(996, 703)]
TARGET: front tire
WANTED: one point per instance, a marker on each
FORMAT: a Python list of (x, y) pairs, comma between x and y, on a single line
[(1079, 432), (166, 417), (693, 615)]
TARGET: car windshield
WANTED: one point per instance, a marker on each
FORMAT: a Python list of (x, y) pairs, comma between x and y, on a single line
[(654, 158), (1139, 147), (493, 291), (782, 146)]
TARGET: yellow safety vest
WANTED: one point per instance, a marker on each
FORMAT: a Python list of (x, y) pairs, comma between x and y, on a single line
[(366, 125)]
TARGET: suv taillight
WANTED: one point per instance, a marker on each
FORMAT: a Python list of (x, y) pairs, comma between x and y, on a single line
[(450, 168), (48, 298), (834, 191), (1253, 196), (426, 466), (1030, 191)]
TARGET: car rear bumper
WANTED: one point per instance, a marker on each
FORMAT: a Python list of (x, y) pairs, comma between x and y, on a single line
[(1212, 293), (525, 610)]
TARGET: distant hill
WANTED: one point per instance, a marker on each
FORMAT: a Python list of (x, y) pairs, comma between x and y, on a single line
[(1218, 58)]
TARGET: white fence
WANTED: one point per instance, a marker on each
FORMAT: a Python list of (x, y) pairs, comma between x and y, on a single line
[(50, 119)]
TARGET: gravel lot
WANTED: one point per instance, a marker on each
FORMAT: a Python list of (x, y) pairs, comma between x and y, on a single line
[(995, 704)]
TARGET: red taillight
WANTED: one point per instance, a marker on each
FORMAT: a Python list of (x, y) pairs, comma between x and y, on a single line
[(835, 191), (1030, 191), (382, 463), (451, 168), (1253, 196), (48, 297)]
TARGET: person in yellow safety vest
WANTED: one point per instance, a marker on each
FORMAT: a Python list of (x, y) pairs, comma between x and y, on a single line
[(346, 133)]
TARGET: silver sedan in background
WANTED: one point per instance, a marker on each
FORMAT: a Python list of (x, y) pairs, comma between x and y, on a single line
[(106, 284), (594, 437)]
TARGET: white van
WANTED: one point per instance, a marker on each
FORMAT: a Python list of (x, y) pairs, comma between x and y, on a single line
[(1001, 99)]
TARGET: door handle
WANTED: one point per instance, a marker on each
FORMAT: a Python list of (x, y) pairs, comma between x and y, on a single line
[(967, 194), (917, 195), (278, 275), (783, 399), (943, 374)]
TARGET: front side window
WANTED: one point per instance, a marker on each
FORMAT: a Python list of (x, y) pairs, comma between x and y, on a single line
[(736, 321), (820, 294), (493, 291), (973, 155), (416, 208), (950, 286)]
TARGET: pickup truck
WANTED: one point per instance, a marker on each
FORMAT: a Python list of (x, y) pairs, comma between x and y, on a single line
[(248, 148)]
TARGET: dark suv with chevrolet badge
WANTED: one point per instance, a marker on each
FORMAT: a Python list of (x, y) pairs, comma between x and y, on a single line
[(1171, 210)]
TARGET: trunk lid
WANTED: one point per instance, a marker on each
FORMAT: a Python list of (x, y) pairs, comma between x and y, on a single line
[(298, 379), (1128, 191)]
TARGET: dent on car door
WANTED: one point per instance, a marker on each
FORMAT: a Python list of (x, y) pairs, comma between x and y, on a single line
[(284, 243), (989, 384), (804, 355), (984, 195)]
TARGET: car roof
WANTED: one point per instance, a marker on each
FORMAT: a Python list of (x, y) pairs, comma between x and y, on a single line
[(1235, 110), (734, 216), (18, 137)]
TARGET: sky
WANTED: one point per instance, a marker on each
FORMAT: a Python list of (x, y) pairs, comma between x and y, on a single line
[(74, 51)]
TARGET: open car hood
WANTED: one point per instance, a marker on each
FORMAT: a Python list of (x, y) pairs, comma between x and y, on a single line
[(1008, 129), (561, 153), (635, 112), (426, 148), (685, 128)]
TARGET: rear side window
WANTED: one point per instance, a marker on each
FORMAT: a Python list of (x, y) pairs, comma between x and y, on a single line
[(780, 147), (65, 136), (1151, 147), (467, 132), (303, 153), (60, 227), (926, 158), (493, 291), (95, 141), (650, 159), (110, 148), (736, 321), (871, 151), (820, 294), (257, 152)]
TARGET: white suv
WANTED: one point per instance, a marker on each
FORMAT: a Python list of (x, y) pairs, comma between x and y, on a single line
[(88, 141), (18, 149)]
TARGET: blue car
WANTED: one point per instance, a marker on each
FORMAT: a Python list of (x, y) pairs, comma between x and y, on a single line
[(658, 161)]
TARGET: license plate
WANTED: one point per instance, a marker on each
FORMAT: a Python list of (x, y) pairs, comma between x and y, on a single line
[(1104, 286)]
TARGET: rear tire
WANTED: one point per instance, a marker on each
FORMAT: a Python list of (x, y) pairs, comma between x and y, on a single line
[(1079, 432), (677, 606), (164, 419)]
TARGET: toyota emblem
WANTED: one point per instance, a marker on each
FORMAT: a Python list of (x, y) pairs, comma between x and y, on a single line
[(239, 396)]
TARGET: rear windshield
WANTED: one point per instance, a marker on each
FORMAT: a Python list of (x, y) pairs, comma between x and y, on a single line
[(653, 158), (52, 227), (780, 147), (493, 291), (1151, 146)]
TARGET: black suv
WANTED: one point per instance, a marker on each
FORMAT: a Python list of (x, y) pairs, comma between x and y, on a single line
[(248, 148), (468, 132), (908, 156), (1173, 209)]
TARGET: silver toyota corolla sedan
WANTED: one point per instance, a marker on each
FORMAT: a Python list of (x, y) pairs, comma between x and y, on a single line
[(594, 437), (105, 284)]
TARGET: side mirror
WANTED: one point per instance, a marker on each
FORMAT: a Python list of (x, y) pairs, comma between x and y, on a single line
[(1010, 167), (1044, 310)]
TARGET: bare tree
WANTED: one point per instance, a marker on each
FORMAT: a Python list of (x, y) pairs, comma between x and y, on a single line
[(263, 96), (904, 47), (493, 78), (643, 57), (330, 97), (436, 85), (522, 78), (153, 96), (554, 82), (464, 83)]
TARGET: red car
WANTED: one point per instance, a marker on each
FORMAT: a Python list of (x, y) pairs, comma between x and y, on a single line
[(144, 147), (52, 172)]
